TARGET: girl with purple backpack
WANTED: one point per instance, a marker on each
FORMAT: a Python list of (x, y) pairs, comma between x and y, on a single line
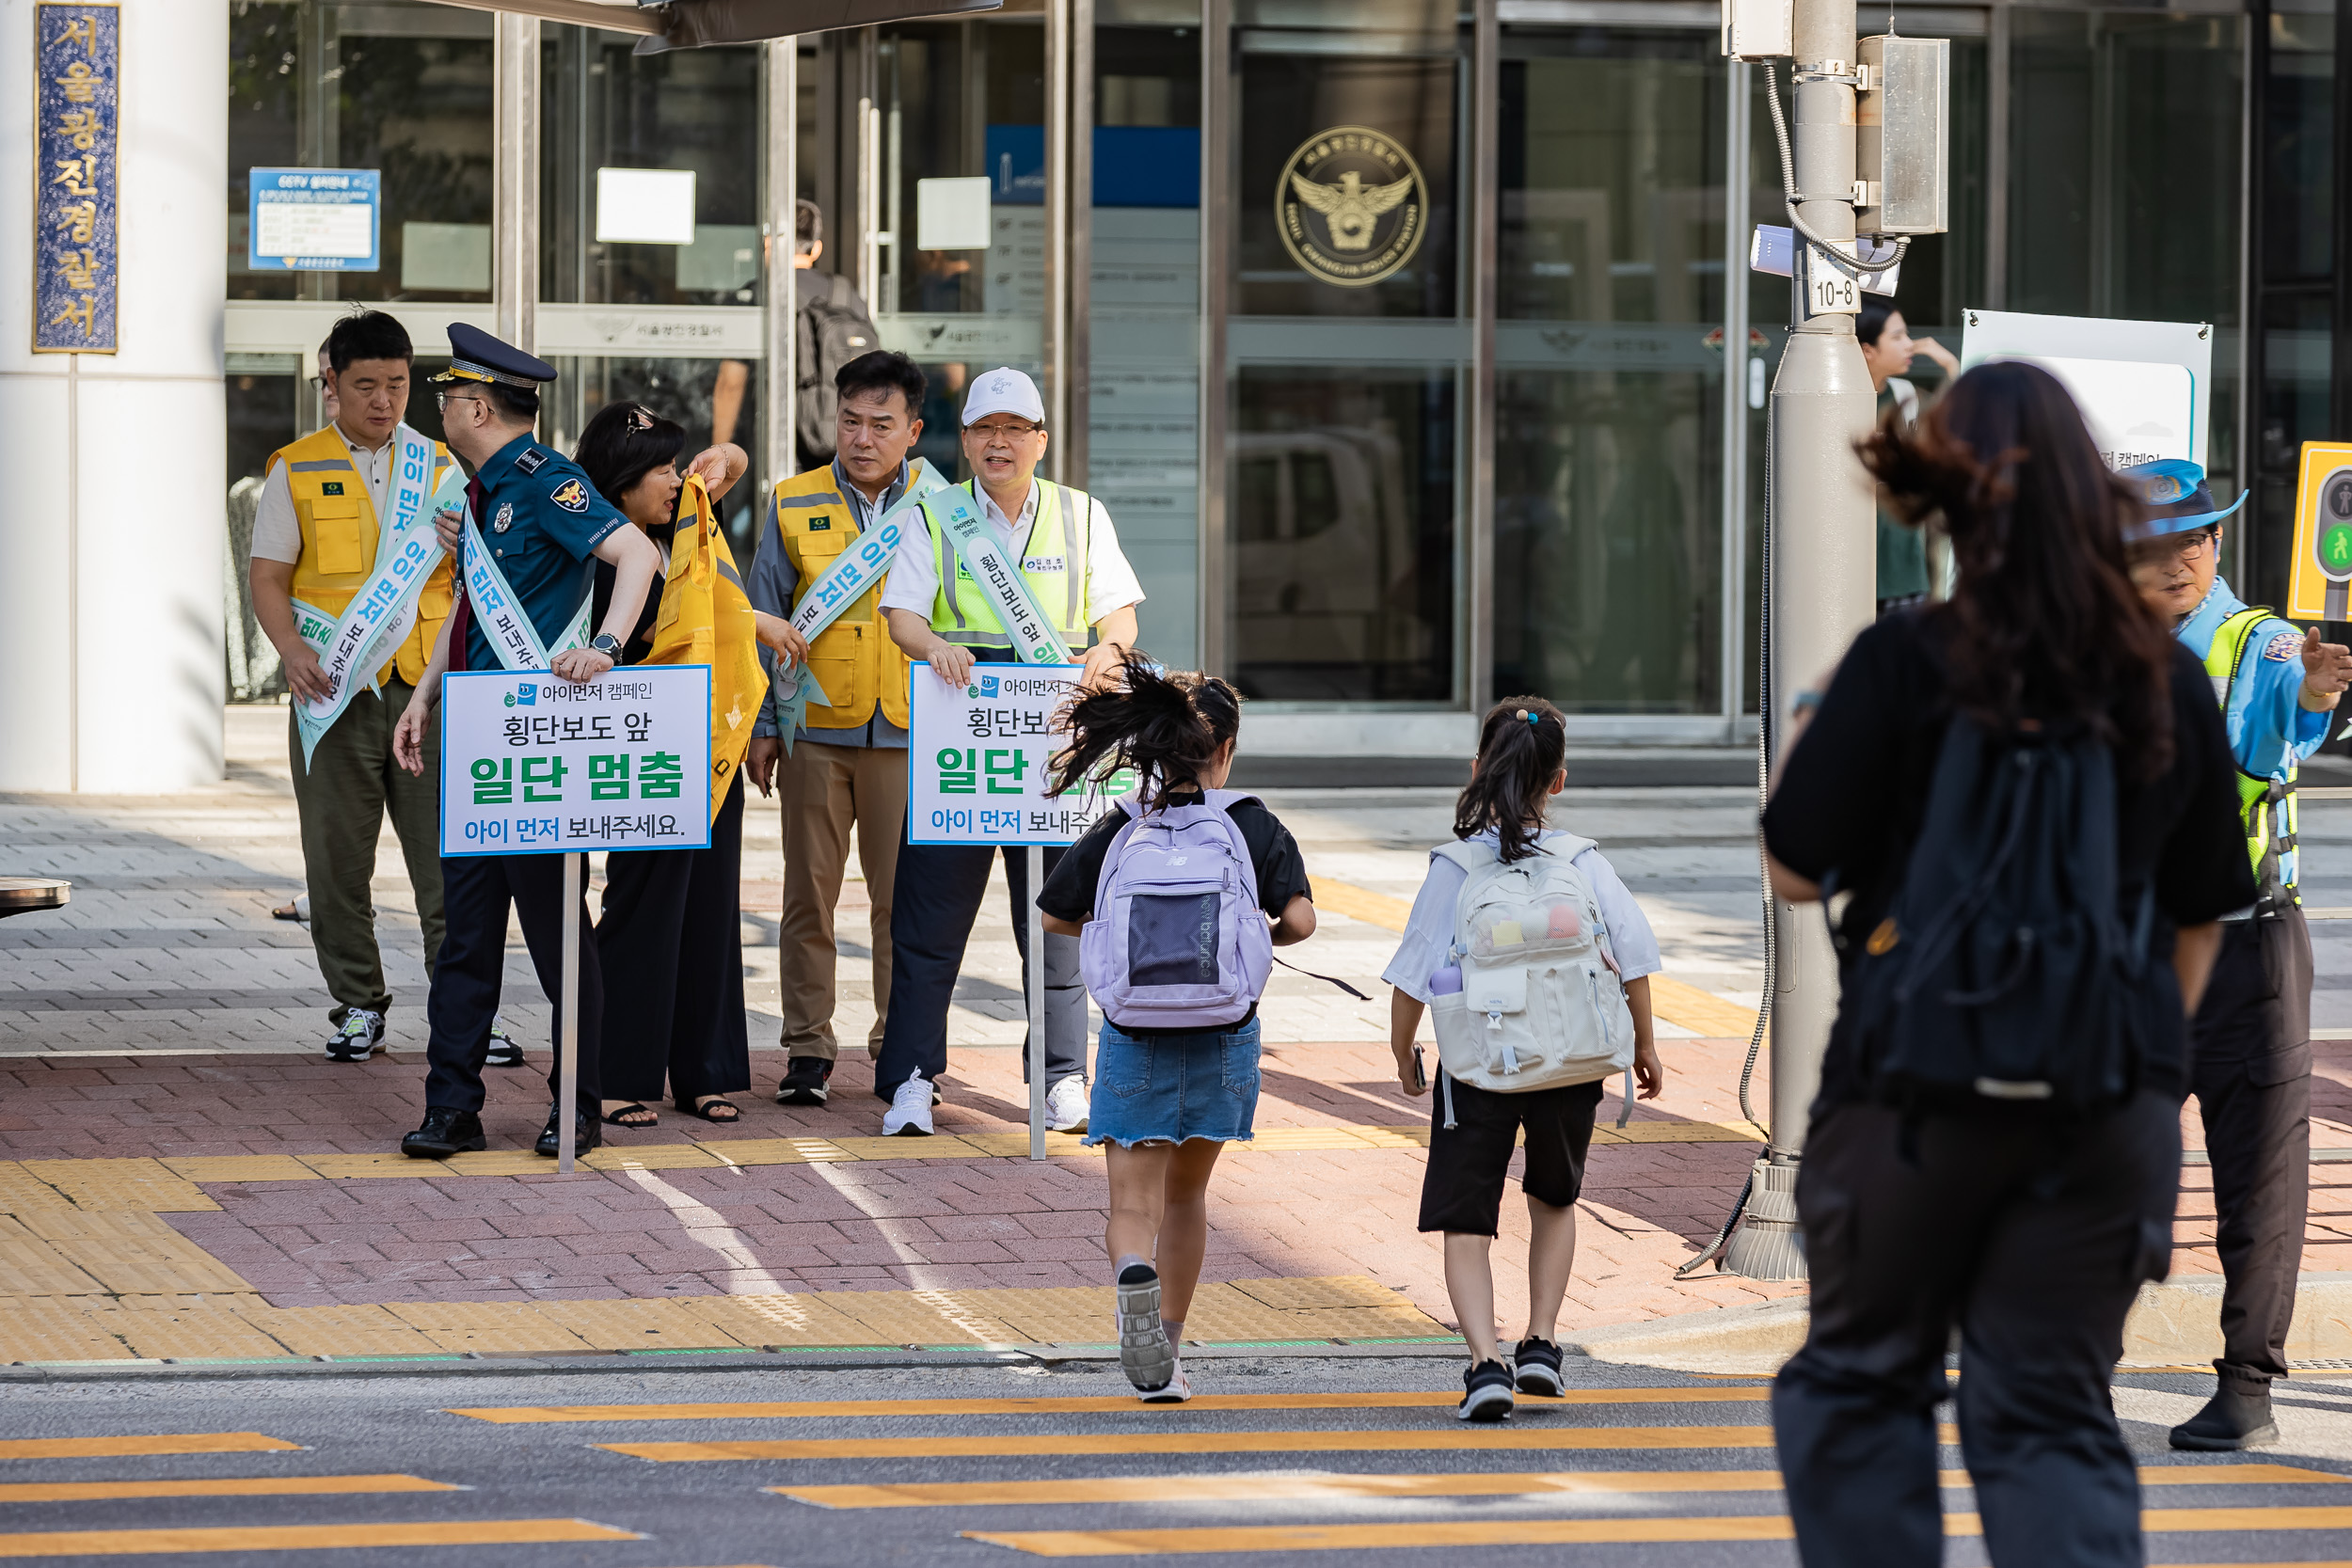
[(1178, 898)]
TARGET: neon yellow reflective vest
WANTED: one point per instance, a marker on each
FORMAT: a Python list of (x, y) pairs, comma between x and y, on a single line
[(2265, 806), (339, 537), (1053, 559), (854, 661)]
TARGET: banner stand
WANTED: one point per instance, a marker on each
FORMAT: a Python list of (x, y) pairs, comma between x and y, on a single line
[(1035, 985), (568, 1099)]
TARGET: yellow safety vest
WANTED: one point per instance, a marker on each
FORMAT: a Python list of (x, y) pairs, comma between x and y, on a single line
[(1053, 560), (2262, 802), (339, 538), (854, 661)]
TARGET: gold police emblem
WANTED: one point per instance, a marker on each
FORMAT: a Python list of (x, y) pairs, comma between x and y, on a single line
[(1352, 206)]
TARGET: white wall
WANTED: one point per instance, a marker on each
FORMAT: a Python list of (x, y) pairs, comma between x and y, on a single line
[(111, 520)]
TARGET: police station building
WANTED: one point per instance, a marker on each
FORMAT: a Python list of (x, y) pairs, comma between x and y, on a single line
[(1395, 334)]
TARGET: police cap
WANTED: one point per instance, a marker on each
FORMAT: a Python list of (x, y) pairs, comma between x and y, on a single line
[(475, 355)]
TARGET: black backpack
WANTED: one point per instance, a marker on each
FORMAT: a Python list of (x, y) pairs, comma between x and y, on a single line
[(833, 329), (2004, 970)]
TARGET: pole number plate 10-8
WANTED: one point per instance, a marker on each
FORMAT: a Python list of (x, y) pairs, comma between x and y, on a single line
[(1826, 287)]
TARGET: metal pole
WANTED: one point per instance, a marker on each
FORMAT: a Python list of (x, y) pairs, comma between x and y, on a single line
[(1034, 984), (567, 1037), (1737, 228)]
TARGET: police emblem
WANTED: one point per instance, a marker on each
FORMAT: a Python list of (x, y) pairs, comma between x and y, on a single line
[(505, 518), (572, 496), (1352, 206), (2283, 646)]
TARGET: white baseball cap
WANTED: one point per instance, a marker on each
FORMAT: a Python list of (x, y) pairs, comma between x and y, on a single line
[(1004, 392)]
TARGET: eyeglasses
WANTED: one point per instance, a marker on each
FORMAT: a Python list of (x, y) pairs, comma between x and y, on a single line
[(442, 399), (2164, 552), (991, 434)]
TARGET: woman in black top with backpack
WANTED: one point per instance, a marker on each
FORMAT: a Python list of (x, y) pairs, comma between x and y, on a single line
[(2026, 792)]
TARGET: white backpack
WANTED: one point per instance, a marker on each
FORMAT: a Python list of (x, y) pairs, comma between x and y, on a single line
[(1540, 1004)]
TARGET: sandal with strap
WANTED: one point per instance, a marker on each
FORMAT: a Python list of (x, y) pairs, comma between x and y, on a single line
[(620, 1118), (710, 1111)]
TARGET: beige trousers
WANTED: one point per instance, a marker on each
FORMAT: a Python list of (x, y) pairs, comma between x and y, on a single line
[(823, 790)]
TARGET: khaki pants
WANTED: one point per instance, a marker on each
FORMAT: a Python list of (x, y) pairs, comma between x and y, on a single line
[(823, 789), (341, 797)]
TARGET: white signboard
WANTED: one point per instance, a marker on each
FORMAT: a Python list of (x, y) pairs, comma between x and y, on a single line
[(534, 765), (2145, 387), (977, 755)]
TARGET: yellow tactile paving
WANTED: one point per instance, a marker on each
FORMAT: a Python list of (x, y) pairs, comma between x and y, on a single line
[(800, 1320), (924, 1317), (209, 1331), (241, 1167), (21, 1191), (489, 1327), (130, 1253), (643, 1325), (776, 1151), (281, 1538), (337, 1330), (35, 1268), (1297, 1295), (140, 1184), (653, 1157), (52, 1328)]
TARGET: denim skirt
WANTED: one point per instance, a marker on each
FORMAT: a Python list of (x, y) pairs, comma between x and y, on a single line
[(1174, 1088)]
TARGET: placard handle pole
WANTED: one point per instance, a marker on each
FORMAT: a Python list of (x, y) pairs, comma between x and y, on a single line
[(1036, 989), (568, 1042)]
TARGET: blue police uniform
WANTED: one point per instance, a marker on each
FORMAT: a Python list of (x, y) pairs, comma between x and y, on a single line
[(542, 521)]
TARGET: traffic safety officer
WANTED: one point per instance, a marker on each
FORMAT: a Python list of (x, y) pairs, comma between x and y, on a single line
[(2251, 1036), (1062, 543), (541, 523)]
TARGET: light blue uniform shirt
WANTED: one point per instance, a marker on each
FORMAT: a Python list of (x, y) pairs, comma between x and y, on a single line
[(1429, 929), (2269, 729)]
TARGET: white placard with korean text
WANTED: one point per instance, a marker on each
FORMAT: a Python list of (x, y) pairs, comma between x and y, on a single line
[(2145, 387), (976, 758), (534, 765)]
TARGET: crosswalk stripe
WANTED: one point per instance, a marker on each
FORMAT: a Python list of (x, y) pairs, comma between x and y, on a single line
[(1220, 1489), (1561, 1532), (116, 1447), (1073, 1405), (292, 1538), (236, 1486), (1337, 1440)]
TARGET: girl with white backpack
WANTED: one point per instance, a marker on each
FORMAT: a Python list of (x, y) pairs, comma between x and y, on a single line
[(1535, 961), (1178, 898)]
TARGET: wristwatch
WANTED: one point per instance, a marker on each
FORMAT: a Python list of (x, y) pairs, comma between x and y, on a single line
[(606, 644)]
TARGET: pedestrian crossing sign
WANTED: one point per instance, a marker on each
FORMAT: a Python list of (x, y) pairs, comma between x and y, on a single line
[(2319, 581)]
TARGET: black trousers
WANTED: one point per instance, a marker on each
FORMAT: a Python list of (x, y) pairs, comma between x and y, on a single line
[(2252, 1079), (476, 893), (2032, 1234), (671, 945)]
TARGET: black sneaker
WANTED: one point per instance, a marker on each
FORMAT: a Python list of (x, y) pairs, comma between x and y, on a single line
[(446, 1132), (359, 1036), (1485, 1393), (1537, 1362), (2238, 1417), (804, 1079), (506, 1050)]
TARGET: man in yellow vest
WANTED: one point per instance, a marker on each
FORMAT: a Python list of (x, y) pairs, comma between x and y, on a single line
[(1063, 543), (314, 539), (847, 764)]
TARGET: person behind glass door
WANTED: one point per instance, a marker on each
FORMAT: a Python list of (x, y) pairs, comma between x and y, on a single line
[(1063, 543), (1887, 348), (848, 762)]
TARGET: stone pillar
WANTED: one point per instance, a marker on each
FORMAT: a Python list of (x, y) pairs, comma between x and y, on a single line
[(113, 525)]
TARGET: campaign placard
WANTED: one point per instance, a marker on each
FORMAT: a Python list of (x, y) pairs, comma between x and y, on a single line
[(978, 756), (2145, 387), (534, 765)]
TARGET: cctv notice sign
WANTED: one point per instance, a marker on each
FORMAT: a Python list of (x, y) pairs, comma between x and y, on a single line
[(534, 765), (977, 755)]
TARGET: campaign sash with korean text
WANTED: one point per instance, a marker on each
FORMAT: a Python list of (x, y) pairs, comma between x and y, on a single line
[(504, 621), (1018, 613)]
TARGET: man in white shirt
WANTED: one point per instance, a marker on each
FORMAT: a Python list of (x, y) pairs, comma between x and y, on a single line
[(1064, 545)]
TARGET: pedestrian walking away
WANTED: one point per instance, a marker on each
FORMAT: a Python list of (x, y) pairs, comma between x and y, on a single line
[(1535, 961), (1061, 544), (1178, 898), (2250, 1056), (2025, 796), (534, 524), (843, 764)]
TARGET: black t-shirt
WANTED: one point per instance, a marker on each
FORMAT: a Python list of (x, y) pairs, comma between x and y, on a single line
[(1068, 892), (1853, 796), (640, 642)]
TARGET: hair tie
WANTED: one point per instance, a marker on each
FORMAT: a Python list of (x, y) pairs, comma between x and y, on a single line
[(1532, 721)]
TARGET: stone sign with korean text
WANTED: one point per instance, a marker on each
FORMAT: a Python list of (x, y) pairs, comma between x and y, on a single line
[(77, 97)]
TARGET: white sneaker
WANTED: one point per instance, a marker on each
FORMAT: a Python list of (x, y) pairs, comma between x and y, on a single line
[(910, 1113), (1144, 1353), (361, 1036), (1175, 1391), (505, 1050), (1066, 1105)]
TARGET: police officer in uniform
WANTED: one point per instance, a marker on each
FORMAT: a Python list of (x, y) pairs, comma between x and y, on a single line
[(2251, 1035), (1062, 542), (545, 526)]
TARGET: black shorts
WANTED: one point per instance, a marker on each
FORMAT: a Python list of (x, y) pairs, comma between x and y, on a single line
[(1461, 1190)]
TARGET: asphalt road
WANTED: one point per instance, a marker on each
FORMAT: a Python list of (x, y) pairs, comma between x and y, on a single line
[(1324, 1462)]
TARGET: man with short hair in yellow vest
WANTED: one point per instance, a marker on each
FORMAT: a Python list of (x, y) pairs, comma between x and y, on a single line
[(844, 764), (1063, 543), (315, 530), (2250, 1066)]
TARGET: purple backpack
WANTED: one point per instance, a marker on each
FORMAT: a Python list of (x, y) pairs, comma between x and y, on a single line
[(1177, 941)]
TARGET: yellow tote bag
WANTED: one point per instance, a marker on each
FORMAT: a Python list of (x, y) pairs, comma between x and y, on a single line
[(705, 618)]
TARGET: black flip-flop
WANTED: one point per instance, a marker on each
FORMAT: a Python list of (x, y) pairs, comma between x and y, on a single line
[(613, 1118), (704, 1111)]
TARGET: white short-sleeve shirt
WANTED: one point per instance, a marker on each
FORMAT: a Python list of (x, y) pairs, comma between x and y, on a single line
[(1429, 929), (278, 532), (1110, 583)]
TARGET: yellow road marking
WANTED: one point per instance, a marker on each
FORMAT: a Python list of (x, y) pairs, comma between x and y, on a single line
[(236, 1487), (1221, 1489), (112, 1448), (1070, 1405), (1338, 1440), (296, 1538)]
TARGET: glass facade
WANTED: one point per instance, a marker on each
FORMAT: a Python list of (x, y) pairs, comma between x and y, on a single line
[(1395, 334)]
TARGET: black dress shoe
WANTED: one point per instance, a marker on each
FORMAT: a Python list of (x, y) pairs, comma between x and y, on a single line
[(587, 1133), (2238, 1417), (446, 1132)]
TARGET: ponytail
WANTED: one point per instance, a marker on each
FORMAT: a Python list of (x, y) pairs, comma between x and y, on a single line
[(1520, 747), (1168, 725)]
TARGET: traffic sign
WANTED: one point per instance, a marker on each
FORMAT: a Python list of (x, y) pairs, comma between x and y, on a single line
[(2319, 579)]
